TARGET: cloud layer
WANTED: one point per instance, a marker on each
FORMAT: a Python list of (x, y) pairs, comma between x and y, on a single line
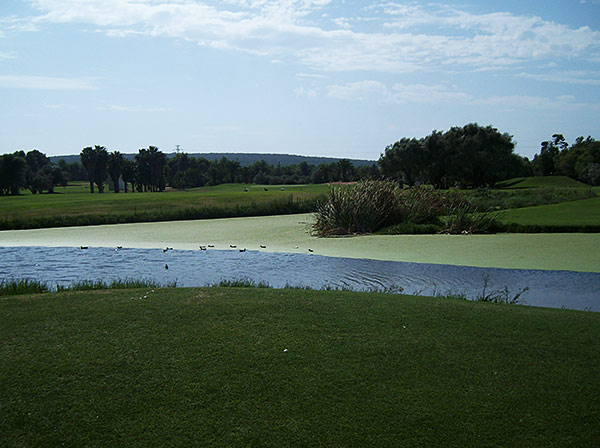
[(308, 32)]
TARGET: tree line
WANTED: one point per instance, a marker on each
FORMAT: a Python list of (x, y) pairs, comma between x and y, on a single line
[(31, 170), (475, 156), (580, 161), (467, 157), (152, 171)]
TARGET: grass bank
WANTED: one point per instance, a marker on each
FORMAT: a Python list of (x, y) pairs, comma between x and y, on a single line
[(540, 182), (573, 216), (75, 206), (241, 367)]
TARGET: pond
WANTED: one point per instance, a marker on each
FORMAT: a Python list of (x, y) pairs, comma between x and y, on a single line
[(65, 265)]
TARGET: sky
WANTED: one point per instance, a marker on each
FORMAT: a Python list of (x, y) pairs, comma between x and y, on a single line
[(310, 77)]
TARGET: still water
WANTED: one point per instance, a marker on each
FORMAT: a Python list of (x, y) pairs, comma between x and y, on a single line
[(64, 265)]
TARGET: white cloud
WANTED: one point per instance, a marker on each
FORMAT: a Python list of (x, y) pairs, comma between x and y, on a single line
[(361, 90), (281, 29), (308, 93), (420, 93), (399, 93), (46, 83), (438, 94), (145, 109), (569, 77), (520, 102)]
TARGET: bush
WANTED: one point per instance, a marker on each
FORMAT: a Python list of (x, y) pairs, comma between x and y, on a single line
[(360, 208)]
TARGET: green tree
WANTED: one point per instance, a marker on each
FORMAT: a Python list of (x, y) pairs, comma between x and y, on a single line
[(128, 171), (115, 165), (13, 171), (89, 160), (404, 160), (101, 167)]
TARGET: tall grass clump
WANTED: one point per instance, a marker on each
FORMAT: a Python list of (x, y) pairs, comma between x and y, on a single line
[(22, 286), (360, 208), (463, 217), (240, 283), (93, 285), (502, 295)]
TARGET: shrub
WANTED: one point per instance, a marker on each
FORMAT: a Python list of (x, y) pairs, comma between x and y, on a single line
[(360, 208)]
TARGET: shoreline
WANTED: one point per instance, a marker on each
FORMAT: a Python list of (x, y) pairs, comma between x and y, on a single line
[(290, 234)]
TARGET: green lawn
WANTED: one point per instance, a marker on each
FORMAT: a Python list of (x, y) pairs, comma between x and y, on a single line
[(575, 214), (75, 201), (263, 367), (540, 182)]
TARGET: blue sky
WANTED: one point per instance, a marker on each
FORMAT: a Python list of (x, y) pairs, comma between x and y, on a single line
[(312, 77)]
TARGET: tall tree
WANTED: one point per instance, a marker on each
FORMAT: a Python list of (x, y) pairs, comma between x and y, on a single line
[(115, 165), (89, 159), (468, 156), (128, 171), (157, 161), (404, 159), (101, 168), (13, 170)]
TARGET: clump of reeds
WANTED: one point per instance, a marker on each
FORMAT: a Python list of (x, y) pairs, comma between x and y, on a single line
[(15, 287), (240, 283), (463, 218), (90, 285), (360, 208)]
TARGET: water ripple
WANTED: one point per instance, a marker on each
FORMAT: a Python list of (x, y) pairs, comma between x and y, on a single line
[(65, 265)]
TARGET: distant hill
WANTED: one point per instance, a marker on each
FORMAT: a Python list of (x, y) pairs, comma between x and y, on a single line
[(540, 182), (246, 159)]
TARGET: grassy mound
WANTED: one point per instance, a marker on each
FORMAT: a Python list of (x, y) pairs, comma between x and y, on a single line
[(540, 182), (262, 367)]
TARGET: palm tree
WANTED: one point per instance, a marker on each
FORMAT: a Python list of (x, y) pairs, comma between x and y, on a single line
[(115, 165), (88, 160), (157, 161), (100, 172)]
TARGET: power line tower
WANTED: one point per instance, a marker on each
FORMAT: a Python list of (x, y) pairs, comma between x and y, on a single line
[(177, 148)]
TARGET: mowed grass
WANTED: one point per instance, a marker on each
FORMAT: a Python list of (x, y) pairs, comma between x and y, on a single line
[(583, 214), (77, 200), (263, 367), (540, 182)]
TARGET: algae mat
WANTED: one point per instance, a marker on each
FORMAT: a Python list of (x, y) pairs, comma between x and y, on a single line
[(291, 233)]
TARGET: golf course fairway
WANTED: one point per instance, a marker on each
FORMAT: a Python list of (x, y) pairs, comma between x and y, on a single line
[(291, 234)]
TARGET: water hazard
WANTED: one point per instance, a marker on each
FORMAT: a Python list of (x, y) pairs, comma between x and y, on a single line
[(65, 265)]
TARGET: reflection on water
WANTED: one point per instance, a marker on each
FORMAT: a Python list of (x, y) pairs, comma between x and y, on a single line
[(64, 265)]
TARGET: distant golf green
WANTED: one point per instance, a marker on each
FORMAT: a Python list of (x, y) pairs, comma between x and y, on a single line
[(262, 367), (540, 182)]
